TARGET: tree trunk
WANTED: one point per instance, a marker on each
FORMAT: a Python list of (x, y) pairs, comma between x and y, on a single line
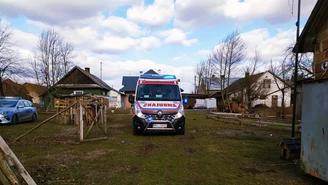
[(2, 93), (283, 104)]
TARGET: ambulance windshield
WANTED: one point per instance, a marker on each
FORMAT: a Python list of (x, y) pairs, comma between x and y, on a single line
[(158, 92)]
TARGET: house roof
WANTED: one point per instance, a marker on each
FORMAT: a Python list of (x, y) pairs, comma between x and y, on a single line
[(150, 71), (38, 89), (241, 83), (98, 83), (129, 83), (216, 83), (96, 80), (11, 88), (313, 25)]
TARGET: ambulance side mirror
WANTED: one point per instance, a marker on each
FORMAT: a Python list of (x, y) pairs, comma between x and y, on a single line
[(131, 99)]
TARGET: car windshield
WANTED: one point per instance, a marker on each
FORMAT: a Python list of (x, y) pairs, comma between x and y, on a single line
[(158, 92), (8, 103)]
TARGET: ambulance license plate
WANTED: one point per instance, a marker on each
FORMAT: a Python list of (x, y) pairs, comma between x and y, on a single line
[(159, 125)]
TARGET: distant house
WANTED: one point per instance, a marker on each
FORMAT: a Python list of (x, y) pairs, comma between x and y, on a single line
[(213, 85), (263, 89), (129, 87), (80, 81), (115, 98), (35, 91), (11, 88)]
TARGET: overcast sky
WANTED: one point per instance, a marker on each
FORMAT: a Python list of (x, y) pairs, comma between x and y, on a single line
[(128, 36)]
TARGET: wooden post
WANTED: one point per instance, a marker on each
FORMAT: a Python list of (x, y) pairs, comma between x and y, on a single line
[(71, 115), (81, 122), (3, 178), (20, 168), (7, 172), (105, 116), (102, 114)]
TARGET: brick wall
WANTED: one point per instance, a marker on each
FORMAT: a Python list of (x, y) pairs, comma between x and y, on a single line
[(320, 63)]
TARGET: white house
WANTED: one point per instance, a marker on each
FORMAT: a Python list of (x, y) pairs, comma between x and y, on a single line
[(262, 88), (114, 98)]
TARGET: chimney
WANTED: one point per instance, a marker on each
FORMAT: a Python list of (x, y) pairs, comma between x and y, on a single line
[(87, 69), (159, 71), (247, 74)]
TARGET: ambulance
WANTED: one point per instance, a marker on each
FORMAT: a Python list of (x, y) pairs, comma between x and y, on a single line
[(157, 105)]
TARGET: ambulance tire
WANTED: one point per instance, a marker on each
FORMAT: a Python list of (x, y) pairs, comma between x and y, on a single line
[(182, 130), (136, 131)]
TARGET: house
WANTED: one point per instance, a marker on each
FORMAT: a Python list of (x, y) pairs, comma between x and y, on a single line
[(129, 87), (259, 89), (35, 91), (115, 98), (11, 88), (80, 81)]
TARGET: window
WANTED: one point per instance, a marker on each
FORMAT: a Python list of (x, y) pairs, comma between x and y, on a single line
[(26, 104), (78, 92), (158, 92), (20, 104), (266, 83)]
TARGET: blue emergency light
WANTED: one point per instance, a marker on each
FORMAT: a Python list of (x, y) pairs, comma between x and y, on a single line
[(10, 97), (156, 76)]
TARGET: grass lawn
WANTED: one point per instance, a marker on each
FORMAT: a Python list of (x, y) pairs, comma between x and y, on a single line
[(210, 152)]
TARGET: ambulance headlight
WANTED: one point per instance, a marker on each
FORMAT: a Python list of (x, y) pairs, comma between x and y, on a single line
[(138, 112), (180, 113)]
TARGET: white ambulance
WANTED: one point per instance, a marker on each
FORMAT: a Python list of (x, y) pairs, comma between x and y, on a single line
[(158, 105)]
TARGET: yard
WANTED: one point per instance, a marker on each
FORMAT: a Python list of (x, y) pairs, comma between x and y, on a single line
[(211, 152)]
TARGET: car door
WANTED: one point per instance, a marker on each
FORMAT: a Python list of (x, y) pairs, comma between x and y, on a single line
[(20, 112), (29, 110)]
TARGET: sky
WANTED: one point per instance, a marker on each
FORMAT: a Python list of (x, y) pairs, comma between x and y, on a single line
[(117, 38)]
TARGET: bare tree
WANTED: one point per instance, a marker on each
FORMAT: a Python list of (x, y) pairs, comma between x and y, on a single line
[(252, 90), (255, 62), (9, 63), (226, 57), (282, 73), (52, 58), (304, 65), (204, 76), (66, 51), (199, 73)]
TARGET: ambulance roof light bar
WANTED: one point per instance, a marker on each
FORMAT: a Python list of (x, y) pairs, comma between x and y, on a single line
[(155, 76)]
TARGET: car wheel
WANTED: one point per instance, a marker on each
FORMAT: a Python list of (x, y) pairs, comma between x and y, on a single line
[(182, 130), (15, 119), (34, 117)]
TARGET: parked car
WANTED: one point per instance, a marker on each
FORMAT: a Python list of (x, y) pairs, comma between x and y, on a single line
[(200, 107), (16, 110)]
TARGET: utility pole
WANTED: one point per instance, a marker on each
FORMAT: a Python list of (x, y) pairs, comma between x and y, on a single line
[(195, 85), (296, 67), (100, 70)]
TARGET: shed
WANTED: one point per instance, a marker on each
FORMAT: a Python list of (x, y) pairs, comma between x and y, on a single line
[(314, 38)]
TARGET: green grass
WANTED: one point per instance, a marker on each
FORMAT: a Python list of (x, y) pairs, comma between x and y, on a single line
[(210, 152)]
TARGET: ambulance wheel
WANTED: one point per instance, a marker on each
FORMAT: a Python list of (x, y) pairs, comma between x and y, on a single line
[(136, 131), (181, 131)]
